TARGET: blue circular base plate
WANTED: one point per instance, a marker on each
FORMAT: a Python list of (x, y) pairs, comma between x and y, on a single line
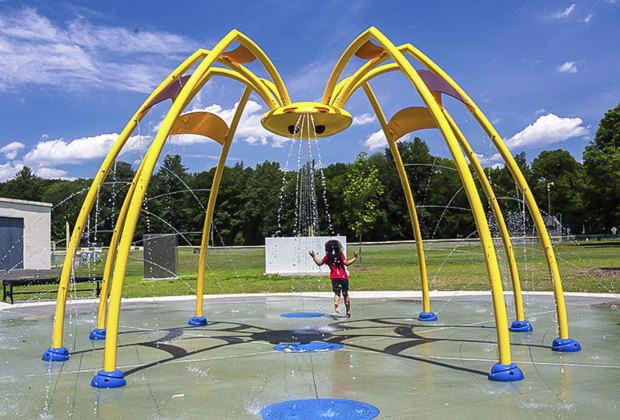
[(197, 321), (320, 409), (520, 326), (56, 354), (311, 347), (303, 315), (103, 379), (565, 345), (505, 373), (97, 334), (427, 316)]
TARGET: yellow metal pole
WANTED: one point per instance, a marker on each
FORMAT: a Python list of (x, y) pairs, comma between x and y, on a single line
[(341, 95), (67, 268), (99, 332), (361, 78), (109, 365), (267, 64), (350, 85), (563, 342), (364, 78), (486, 240), (199, 319), (426, 314), (341, 64), (248, 78), (497, 212), (57, 352)]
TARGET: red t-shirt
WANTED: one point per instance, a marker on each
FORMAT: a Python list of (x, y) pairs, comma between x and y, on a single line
[(337, 271)]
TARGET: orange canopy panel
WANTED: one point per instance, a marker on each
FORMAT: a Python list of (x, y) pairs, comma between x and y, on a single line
[(410, 119), (241, 55), (201, 123), (369, 51)]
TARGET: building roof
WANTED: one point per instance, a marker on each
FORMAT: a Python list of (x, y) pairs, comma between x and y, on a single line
[(30, 203)]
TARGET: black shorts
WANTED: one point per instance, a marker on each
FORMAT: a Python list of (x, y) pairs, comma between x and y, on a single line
[(340, 285)]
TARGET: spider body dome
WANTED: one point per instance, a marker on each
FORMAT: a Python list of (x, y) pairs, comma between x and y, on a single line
[(289, 121)]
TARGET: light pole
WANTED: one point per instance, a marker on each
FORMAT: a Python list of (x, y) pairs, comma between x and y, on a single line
[(549, 185)]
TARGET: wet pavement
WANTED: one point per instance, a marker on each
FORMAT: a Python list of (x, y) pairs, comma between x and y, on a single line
[(229, 369)]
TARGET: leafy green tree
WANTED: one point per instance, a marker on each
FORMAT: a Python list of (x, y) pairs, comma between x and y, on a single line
[(25, 185), (66, 198), (505, 187), (170, 200), (362, 194), (601, 160), (260, 201), (336, 180), (566, 194), (418, 165), (229, 205)]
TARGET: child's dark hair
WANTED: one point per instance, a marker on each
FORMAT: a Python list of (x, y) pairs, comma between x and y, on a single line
[(333, 250)]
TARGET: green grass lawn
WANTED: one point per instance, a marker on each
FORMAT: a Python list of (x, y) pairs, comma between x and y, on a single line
[(451, 266)]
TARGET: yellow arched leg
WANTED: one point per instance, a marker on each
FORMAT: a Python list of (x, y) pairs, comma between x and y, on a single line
[(505, 368), (563, 342), (520, 325), (426, 314), (200, 319), (110, 376), (99, 332), (58, 352)]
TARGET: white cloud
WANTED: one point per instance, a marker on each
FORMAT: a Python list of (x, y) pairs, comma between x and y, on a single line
[(52, 173), (187, 139), (375, 140), (588, 18), (11, 150), (78, 55), (204, 156), (363, 119), (256, 141), (8, 171), (567, 67), (492, 160), (566, 12), (55, 152), (539, 111), (547, 129)]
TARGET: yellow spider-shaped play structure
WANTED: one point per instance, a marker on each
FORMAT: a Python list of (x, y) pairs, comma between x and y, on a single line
[(380, 56)]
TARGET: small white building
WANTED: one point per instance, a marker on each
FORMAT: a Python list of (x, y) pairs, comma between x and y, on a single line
[(25, 234)]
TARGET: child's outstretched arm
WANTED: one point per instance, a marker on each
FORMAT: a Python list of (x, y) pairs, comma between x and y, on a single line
[(316, 260), (352, 260)]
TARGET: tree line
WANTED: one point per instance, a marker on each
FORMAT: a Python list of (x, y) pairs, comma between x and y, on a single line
[(363, 197)]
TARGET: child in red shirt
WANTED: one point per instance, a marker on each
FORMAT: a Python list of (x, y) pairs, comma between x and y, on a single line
[(336, 261)]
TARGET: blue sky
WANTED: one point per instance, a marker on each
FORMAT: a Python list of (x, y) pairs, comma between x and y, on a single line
[(73, 73)]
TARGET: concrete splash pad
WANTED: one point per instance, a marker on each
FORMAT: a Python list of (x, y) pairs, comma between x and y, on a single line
[(229, 369)]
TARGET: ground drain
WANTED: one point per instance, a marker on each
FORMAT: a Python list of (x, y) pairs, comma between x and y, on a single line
[(320, 409), (310, 347), (303, 315)]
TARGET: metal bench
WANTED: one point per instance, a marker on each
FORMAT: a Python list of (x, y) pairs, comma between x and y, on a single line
[(9, 284)]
